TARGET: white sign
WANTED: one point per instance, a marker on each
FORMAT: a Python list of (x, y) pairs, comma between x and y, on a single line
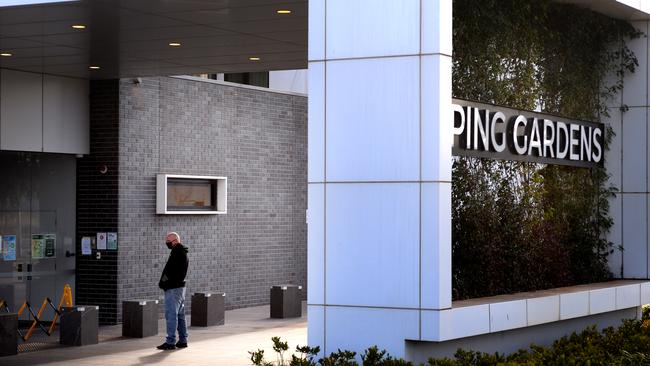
[(85, 245), (112, 241), (101, 241)]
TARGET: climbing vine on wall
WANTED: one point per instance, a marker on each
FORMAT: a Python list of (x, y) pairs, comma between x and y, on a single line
[(525, 226)]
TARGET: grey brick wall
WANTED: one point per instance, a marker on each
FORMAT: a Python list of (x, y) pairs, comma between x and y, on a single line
[(257, 139)]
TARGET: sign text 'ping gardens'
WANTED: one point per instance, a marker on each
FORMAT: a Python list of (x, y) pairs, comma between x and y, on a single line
[(489, 131)]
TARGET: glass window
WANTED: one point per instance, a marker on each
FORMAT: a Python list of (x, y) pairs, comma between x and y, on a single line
[(191, 194)]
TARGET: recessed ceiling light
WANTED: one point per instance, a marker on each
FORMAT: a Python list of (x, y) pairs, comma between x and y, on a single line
[(6, 54), (78, 26), (94, 67), (175, 44), (254, 58), (283, 11)]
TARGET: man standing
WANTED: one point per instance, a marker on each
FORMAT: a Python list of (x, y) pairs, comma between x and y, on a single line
[(172, 282)]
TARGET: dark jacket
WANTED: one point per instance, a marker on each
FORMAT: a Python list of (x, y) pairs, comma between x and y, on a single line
[(173, 275)]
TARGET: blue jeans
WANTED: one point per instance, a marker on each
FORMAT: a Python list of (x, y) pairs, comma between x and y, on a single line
[(175, 315)]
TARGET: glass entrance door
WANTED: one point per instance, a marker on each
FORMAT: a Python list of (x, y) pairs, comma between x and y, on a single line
[(13, 266), (37, 226)]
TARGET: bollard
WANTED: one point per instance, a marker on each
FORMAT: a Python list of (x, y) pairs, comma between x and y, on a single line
[(79, 325), (8, 334), (139, 318), (285, 301), (208, 309)]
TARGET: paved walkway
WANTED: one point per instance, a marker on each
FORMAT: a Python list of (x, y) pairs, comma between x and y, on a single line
[(226, 345)]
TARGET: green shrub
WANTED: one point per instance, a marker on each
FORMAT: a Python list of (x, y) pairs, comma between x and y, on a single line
[(627, 345)]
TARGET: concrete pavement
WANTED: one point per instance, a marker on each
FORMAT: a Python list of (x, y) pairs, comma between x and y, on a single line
[(228, 345)]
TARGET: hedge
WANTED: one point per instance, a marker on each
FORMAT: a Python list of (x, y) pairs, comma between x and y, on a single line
[(627, 345)]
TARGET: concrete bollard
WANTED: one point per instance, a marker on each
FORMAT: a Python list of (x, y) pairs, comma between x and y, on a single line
[(8, 334), (285, 301), (208, 309), (139, 318), (79, 325)]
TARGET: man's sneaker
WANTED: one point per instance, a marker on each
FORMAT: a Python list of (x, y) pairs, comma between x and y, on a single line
[(181, 344), (166, 346)]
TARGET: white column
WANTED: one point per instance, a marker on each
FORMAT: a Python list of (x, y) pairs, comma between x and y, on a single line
[(379, 220)]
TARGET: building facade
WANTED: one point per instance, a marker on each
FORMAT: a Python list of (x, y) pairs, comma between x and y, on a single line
[(141, 128), (368, 213)]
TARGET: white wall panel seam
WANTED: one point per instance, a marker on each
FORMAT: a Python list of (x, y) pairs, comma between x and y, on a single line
[(42, 115), (420, 176), (340, 59), (325, 176), (647, 53)]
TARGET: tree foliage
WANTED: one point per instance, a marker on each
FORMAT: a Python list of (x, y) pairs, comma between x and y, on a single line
[(525, 226)]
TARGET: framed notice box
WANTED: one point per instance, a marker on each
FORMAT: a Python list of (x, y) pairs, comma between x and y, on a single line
[(191, 195)]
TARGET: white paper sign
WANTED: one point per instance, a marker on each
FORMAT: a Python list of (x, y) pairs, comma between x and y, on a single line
[(112, 241), (85, 245), (101, 241)]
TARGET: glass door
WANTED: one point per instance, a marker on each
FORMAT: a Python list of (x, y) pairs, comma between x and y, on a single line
[(37, 227), (14, 226)]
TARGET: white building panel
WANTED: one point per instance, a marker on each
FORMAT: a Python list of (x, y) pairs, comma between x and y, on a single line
[(65, 115), (373, 121), (436, 26), (635, 152), (316, 243), (636, 84), (436, 246), (359, 328), (458, 322), (316, 37), (635, 245), (602, 300), (315, 334), (628, 296), (507, 315), (371, 28), (316, 123), (373, 244), (542, 310), (21, 111), (436, 118), (574, 305)]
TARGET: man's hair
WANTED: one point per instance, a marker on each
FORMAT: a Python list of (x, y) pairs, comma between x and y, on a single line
[(178, 237)]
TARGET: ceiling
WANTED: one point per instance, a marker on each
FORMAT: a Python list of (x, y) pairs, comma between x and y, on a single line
[(130, 38), (621, 9)]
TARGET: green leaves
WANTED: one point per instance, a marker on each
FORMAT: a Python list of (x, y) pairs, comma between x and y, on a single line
[(523, 226), (627, 345), (305, 356)]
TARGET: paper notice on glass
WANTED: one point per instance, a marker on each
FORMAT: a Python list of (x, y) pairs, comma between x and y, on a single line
[(85, 245), (50, 245), (9, 247), (101, 241), (111, 241), (38, 246)]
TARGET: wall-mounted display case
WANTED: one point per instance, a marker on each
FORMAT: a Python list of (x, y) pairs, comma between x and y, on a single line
[(191, 194)]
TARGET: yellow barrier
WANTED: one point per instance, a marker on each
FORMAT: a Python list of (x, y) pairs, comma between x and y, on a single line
[(66, 299)]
